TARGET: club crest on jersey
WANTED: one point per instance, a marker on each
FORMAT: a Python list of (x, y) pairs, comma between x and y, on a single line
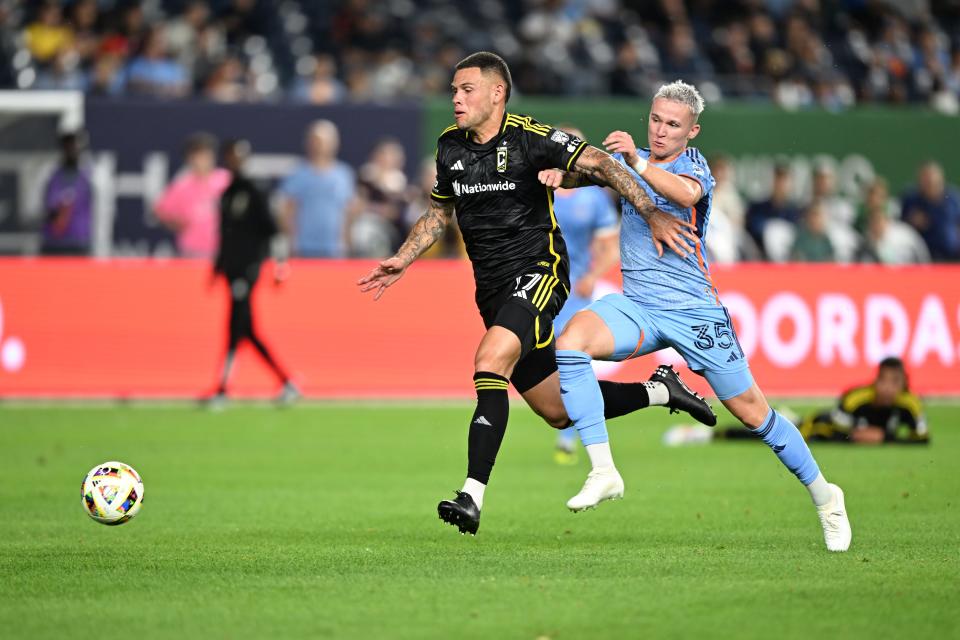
[(501, 159)]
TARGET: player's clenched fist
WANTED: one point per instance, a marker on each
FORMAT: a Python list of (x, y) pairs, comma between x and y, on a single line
[(553, 178), (384, 275)]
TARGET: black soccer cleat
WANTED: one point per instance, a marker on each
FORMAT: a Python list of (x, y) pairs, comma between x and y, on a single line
[(462, 512), (682, 397)]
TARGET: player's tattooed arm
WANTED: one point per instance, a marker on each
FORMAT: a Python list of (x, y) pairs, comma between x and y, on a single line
[(425, 232), (557, 179), (664, 228)]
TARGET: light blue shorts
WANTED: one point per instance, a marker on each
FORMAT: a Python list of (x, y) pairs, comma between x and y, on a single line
[(704, 336)]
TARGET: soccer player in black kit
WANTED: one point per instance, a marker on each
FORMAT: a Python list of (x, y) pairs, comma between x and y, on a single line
[(246, 229), (487, 168)]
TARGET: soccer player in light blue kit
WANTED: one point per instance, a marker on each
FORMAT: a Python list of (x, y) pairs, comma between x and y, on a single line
[(589, 224), (669, 301)]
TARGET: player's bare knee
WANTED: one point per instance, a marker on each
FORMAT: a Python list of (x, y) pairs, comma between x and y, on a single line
[(495, 359), (574, 337)]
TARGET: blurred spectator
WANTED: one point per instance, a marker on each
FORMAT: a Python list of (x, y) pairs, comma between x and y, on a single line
[(318, 198), (153, 73), (450, 245), (728, 239), (106, 78), (68, 200), (383, 188), (933, 209), (876, 196), (190, 205), (84, 17), (839, 211), (48, 35), (194, 41), (813, 243), (777, 207), (63, 74), (889, 241), (318, 83), (226, 82)]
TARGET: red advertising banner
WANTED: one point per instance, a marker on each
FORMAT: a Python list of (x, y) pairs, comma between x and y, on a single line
[(78, 328)]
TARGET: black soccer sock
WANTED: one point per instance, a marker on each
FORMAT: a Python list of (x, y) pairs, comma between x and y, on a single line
[(488, 425), (268, 358), (227, 367), (621, 398)]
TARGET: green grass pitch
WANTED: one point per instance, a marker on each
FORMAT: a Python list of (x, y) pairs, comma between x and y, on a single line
[(321, 521)]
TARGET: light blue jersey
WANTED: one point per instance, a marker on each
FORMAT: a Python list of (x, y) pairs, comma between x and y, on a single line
[(582, 214), (668, 282)]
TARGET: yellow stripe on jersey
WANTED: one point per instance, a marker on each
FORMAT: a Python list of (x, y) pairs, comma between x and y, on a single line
[(434, 194), (525, 123), (553, 227), (576, 154), (909, 402), (856, 398)]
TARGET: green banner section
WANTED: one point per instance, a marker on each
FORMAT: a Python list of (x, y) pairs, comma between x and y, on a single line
[(859, 144)]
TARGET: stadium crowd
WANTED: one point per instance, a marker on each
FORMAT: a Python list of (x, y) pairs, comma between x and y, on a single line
[(797, 53)]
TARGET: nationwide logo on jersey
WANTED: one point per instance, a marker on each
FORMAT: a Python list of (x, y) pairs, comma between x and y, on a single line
[(457, 166), (465, 189), (502, 159)]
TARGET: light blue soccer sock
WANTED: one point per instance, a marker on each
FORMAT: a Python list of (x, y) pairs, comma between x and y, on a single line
[(784, 438), (581, 396)]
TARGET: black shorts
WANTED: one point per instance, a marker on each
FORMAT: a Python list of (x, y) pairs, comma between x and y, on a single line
[(527, 307)]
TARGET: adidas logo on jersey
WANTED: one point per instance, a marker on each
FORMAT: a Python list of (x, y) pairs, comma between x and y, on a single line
[(483, 421), (733, 357), (457, 166)]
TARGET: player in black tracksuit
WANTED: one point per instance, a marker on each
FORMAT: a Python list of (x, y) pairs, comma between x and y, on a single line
[(488, 168), (246, 230)]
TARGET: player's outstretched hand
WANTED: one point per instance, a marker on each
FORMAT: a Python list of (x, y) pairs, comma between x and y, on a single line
[(672, 232), (384, 275), (621, 142), (553, 178)]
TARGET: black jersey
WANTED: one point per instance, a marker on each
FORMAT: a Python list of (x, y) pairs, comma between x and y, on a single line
[(903, 420), (505, 214), (246, 227)]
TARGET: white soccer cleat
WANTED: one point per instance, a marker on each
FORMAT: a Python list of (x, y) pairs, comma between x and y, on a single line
[(602, 484), (836, 525)]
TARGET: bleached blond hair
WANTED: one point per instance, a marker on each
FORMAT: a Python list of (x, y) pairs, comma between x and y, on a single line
[(686, 94)]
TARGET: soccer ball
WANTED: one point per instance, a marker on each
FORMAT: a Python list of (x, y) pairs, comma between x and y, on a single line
[(112, 493)]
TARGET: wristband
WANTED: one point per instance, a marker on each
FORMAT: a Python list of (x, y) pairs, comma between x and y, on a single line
[(639, 165)]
